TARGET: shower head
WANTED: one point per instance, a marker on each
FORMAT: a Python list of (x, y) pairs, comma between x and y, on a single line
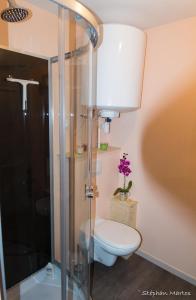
[(15, 13)]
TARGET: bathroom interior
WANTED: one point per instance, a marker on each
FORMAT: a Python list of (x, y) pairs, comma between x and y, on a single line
[(98, 143)]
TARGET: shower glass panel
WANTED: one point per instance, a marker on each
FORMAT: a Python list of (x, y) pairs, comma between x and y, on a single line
[(76, 131)]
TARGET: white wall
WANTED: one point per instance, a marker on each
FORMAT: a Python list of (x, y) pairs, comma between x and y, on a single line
[(161, 141)]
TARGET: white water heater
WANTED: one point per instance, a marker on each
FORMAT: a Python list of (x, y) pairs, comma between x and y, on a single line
[(120, 68)]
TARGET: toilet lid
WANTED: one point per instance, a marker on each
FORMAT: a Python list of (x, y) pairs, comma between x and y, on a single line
[(117, 235)]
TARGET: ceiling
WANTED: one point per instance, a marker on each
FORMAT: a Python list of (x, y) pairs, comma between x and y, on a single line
[(142, 13)]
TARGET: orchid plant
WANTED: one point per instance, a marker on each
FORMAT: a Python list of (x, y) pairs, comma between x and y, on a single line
[(124, 169)]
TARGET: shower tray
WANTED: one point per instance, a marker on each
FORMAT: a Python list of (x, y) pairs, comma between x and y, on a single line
[(41, 286)]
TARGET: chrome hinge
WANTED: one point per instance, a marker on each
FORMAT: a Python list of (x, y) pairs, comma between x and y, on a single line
[(91, 191)]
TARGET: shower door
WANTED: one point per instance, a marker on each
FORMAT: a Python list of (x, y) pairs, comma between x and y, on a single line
[(83, 132), (75, 138)]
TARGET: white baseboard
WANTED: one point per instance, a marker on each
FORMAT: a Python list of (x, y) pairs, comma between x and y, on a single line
[(167, 267)]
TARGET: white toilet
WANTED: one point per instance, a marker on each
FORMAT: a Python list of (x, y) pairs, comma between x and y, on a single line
[(113, 239)]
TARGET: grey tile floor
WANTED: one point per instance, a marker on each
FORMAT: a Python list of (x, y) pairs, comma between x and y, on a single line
[(128, 280)]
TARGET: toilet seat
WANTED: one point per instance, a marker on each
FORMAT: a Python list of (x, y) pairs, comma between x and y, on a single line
[(116, 237)]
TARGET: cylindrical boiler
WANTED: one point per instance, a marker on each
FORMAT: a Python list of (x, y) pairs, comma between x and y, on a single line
[(120, 68)]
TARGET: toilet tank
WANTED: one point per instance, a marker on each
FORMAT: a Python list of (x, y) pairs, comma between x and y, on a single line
[(120, 68)]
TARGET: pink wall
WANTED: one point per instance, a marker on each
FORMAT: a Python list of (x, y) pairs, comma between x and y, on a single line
[(106, 181), (3, 26), (39, 34), (161, 141)]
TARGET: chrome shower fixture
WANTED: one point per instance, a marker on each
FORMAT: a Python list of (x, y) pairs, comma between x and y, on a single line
[(24, 84), (15, 13)]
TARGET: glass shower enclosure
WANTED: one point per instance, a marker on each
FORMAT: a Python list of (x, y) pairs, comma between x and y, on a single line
[(65, 144)]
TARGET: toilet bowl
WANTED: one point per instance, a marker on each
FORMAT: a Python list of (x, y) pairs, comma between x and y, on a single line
[(113, 239)]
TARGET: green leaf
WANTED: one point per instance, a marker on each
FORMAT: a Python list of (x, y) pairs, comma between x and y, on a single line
[(121, 190), (129, 185), (118, 190)]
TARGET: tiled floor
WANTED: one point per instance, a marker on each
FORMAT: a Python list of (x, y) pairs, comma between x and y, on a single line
[(131, 279)]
